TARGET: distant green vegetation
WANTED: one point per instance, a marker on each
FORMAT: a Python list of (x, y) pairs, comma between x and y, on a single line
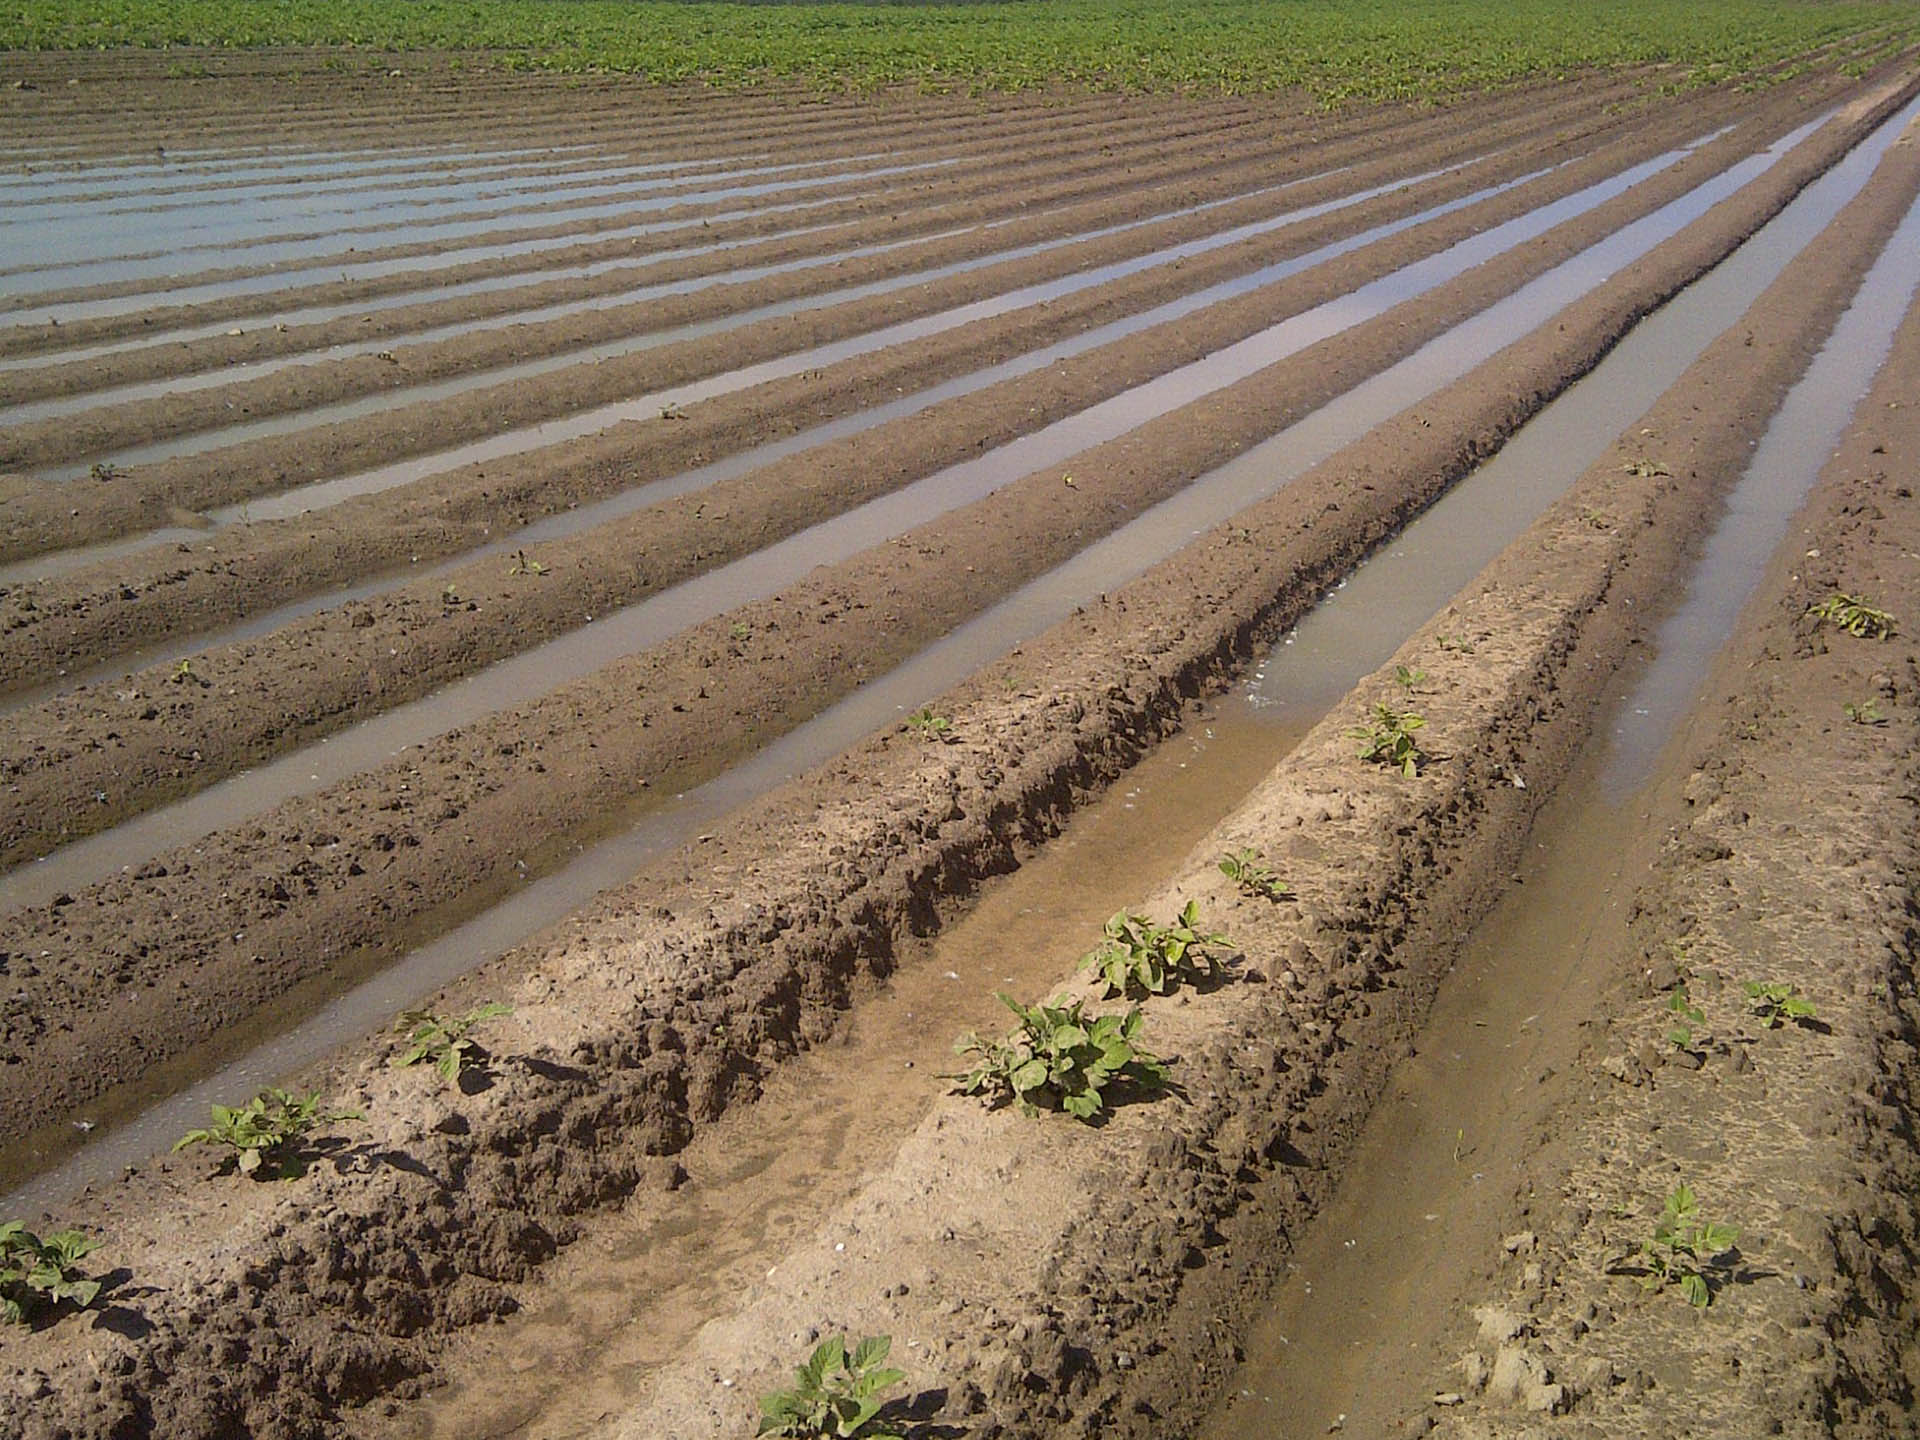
[(1336, 49)]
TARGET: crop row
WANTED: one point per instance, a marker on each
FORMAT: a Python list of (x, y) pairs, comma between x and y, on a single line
[(1335, 49)]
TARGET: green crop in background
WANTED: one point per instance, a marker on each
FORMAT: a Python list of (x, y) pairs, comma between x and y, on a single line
[(1337, 49)]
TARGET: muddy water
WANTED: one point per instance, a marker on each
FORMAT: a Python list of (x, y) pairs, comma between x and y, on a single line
[(235, 374), (70, 404), (1022, 615), (552, 432), (25, 282), (1419, 1207), (1119, 557), (58, 311), (1796, 445), (240, 218)]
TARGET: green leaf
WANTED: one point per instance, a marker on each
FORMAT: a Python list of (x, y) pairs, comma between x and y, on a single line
[(1695, 1290), (1030, 1076)]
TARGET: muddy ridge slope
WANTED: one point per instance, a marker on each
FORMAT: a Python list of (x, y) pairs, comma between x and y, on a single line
[(652, 1014)]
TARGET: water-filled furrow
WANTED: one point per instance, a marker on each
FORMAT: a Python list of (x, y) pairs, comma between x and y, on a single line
[(37, 410), (415, 267), (1798, 440), (647, 623), (553, 431), (1072, 170), (1321, 670), (54, 382), (733, 275), (198, 171), (241, 222), (69, 305), (22, 284), (435, 178)]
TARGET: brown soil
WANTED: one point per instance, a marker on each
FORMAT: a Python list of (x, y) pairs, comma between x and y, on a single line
[(612, 1119), (323, 881)]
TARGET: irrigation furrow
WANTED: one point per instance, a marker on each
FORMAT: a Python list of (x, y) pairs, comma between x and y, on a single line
[(100, 298), (238, 473), (651, 1039), (916, 612), (994, 195), (291, 333), (600, 570)]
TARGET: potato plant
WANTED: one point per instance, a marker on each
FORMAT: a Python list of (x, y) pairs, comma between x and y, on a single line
[(1682, 1248), (1060, 1055), (835, 1394), (264, 1134), (1388, 739), (1776, 1003), (443, 1041), (1853, 615), (37, 1274), (1140, 957), (1254, 876)]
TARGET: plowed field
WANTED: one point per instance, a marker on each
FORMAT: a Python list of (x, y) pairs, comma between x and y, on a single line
[(742, 578)]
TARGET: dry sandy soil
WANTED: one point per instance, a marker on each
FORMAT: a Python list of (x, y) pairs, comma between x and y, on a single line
[(714, 1127)]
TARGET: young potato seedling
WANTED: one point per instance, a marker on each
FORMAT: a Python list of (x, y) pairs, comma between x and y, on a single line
[(927, 722), (1853, 615), (1139, 956), (1682, 1246), (523, 564), (1777, 1003), (1254, 876), (1867, 712), (835, 1394), (1688, 1015), (443, 1041), (1060, 1055), (263, 1134), (37, 1273), (1388, 740)]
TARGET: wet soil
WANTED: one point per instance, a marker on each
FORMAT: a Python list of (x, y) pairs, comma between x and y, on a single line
[(797, 946), (330, 882)]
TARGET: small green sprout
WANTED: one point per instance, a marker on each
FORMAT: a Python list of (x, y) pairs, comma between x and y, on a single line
[(1252, 874), (1139, 956), (1776, 1003), (1060, 1054), (929, 723), (1687, 1014), (1647, 469), (1389, 739), (104, 470), (1867, 712), (1853, 615), (38, 1273), (443, 1041), (1407, 678), (523, 564), (1683, 1247), (264, 1133), (834, 1393)]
